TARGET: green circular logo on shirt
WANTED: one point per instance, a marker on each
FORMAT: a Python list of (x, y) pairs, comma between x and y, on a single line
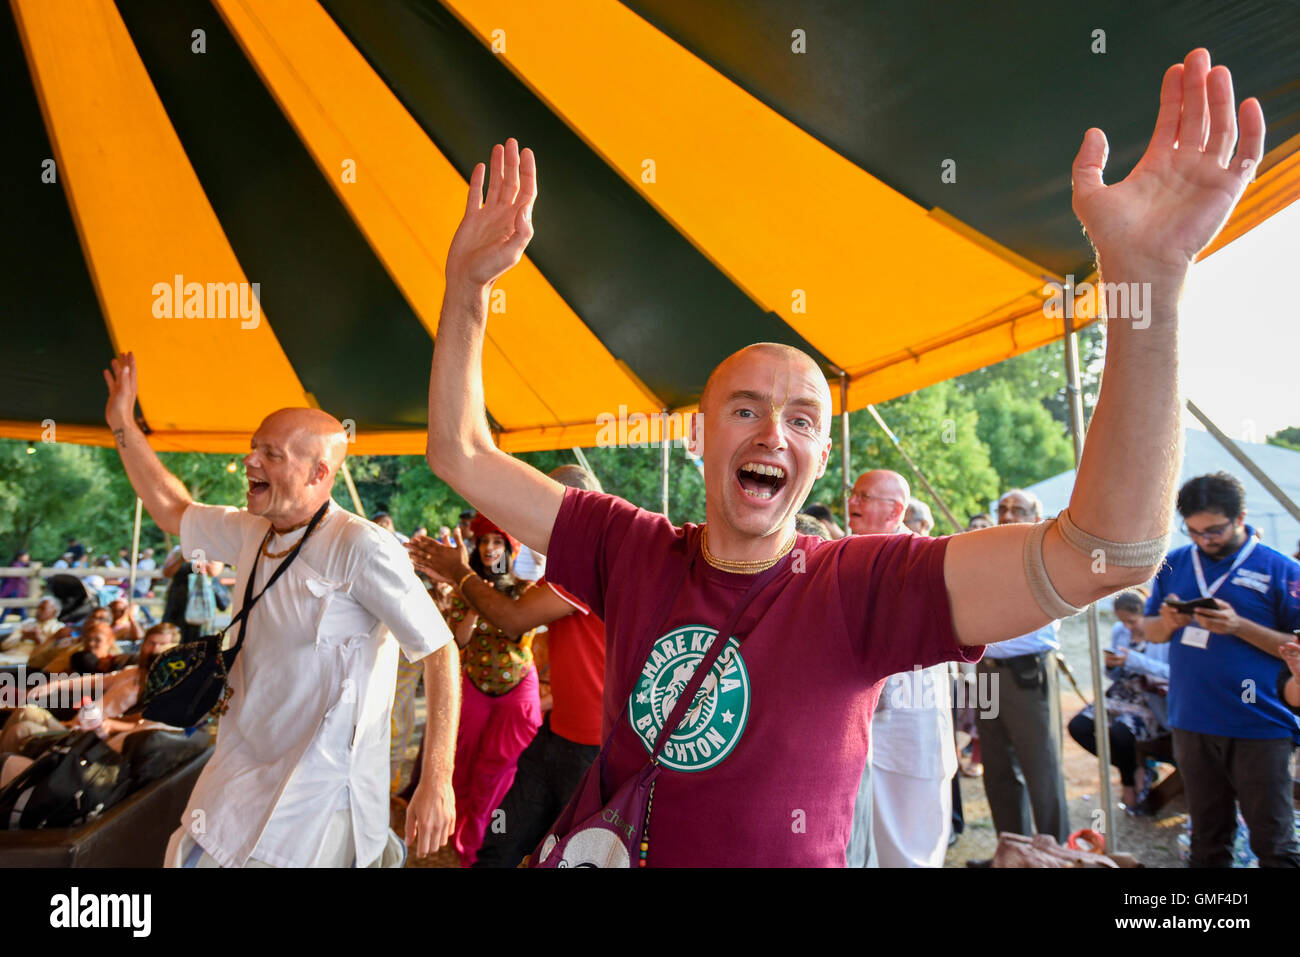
[(717, 718)]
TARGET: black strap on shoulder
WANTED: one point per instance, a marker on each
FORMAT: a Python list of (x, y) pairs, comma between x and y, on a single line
[(242, 618), (720, 641)]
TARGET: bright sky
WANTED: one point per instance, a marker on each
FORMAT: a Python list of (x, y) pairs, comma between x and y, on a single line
[(1241, 332)]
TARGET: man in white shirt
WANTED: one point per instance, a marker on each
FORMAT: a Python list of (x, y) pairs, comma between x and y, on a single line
[(300, 772), (39, 629), (904, 807), (914, 755)]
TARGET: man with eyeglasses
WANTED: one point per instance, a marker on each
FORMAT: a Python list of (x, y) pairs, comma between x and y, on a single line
[(903, 813), (876, 506), (1233, 736), (1021, 739)]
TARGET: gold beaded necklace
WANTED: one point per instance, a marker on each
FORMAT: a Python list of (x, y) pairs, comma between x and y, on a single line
[(275, 531), (741, 568)]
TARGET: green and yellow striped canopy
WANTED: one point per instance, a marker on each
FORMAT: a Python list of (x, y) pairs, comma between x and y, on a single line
[(884, 185)]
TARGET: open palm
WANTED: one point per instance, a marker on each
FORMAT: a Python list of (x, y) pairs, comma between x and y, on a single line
[(1185, 186), (492, 236), (122, 390)]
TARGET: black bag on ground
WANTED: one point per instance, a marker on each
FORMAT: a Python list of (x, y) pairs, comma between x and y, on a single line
[(187, 682), (38, 744), (71, 783), (155, 753)]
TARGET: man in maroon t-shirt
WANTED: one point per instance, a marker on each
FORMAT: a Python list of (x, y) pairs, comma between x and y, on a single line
[(765, 767), (552, 766)]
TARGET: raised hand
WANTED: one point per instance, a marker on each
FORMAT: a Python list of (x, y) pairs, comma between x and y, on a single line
[(1185, 186), (122, 389), (492, 236)]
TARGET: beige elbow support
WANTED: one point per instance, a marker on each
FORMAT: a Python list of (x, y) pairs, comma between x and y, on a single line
[(1040, 586), (1121, 554)]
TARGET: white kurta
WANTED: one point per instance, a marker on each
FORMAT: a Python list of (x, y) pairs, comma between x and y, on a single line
[(913, 761), (307, 732)]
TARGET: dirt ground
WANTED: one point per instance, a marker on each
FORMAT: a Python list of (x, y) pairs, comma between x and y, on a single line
[(1152, 840)]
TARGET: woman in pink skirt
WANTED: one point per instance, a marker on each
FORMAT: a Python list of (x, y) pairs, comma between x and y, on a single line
[(500, 711)]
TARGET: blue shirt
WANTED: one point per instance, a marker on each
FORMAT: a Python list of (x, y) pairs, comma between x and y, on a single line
[(1152, 660), (1229, 687), (1044, 639)]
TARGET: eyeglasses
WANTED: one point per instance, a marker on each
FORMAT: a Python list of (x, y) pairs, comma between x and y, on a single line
[(863, 496), (1018, 510), (1214, 531)]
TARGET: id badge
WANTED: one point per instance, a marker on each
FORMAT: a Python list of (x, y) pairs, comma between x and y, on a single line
[(1195, 637)]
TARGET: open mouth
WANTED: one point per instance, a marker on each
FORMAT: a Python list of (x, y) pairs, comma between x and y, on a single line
[(256, 486), (761, 481)]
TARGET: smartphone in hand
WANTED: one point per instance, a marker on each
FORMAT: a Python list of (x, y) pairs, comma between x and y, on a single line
[(1187, 607)]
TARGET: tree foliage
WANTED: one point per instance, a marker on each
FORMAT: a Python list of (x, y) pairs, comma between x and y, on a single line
[(1288, 438), (1025, 443), (974, 436), (937, 429)]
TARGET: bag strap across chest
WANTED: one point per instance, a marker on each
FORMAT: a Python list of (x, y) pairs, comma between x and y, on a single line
[(249, 598)]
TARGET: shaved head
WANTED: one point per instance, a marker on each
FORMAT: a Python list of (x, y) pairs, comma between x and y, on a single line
[(877, 502), (295, 455), (311, 434), (885, 482), (763, 432), (761, 351)]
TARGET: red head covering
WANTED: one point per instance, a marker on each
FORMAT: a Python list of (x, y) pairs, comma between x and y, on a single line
[(482, 525)]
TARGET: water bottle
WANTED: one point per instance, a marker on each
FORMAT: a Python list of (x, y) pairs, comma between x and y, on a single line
[(91, 717)]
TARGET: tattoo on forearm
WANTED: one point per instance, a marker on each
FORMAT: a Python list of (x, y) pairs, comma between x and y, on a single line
[(120, 435)]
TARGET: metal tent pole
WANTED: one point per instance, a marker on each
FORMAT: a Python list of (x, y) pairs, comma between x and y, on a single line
[(943, 506), (352, 490), (135, 550), (847, 483), (582, 458), (666, 443), (1100, 720)]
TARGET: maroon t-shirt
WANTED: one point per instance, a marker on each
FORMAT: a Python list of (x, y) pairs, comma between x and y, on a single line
[(764, 772)]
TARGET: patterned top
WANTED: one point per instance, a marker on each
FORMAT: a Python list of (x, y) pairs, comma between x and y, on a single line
[(492, 660)]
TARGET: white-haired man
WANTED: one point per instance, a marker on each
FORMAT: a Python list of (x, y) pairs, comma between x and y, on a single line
[(1021, 739), (903, 812), (918, 517), (300, 772), (766, 771)]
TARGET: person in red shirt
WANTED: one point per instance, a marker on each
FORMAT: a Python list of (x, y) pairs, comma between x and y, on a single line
[(553, 764), (764, 768)]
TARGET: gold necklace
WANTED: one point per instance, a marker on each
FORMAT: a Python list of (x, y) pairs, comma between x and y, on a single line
[(291, 528), (741, 568), (278, 554), (276, 531)]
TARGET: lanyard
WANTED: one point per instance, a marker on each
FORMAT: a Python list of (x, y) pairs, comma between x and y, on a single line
[(1200, 575)]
